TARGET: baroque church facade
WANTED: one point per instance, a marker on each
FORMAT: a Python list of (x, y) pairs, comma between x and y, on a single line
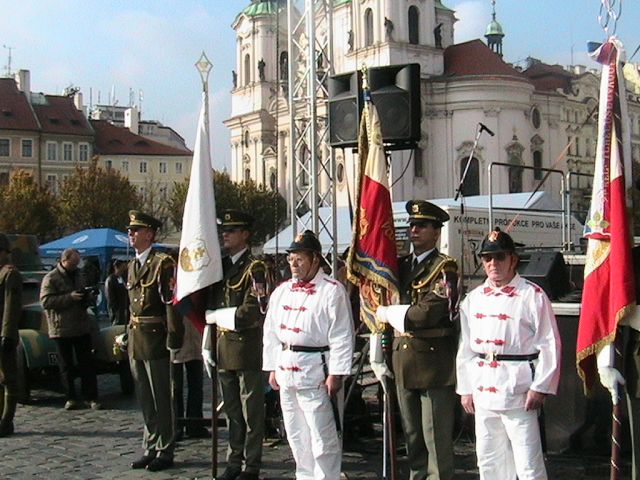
[(542, 116)]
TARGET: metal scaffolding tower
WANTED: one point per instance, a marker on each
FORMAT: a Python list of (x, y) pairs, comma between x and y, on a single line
[(311, 166)]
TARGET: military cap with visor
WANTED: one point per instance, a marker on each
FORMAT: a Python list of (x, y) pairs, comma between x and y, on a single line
[(306, 241), (138, 219), (234, 219), (497, 241), (421, 211)]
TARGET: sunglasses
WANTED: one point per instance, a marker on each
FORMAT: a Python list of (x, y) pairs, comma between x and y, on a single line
[(498, 256)]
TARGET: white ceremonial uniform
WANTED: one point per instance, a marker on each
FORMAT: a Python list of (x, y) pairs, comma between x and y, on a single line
[(516, 319), (315, 314)]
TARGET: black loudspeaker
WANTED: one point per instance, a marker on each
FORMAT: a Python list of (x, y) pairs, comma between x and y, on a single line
[(548, 270), (344, 109), (395, 91)]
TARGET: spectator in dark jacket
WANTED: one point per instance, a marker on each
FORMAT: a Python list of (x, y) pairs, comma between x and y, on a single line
[(65, 301)]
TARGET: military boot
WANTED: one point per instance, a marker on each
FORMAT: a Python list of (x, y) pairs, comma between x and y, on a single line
[(6, 423)]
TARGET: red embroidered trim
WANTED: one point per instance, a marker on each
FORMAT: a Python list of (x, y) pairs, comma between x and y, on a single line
[(291, 329)]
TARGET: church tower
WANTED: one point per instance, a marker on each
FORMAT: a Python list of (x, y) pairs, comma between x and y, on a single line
[(494, 33), (261, 60)]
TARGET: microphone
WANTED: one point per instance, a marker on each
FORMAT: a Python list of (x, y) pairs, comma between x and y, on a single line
[(486, 129)]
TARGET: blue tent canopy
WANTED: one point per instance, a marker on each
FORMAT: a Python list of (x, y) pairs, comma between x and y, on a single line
[(104, 243)]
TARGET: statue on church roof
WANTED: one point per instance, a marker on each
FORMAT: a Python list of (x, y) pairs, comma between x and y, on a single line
[(388, 29)]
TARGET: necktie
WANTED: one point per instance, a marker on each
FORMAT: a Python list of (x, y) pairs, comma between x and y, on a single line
[(415, 263)]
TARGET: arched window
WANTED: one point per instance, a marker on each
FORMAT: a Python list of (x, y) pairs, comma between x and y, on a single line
[(537, 165), (273, 179), (284, 66), (245, 138), (247, 174), (471, 185), (414, 25), (247, 69), (368, 27), (418, 163), (514, 155)]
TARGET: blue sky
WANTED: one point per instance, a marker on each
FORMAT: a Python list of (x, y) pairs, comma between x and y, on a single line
[(152, 46)]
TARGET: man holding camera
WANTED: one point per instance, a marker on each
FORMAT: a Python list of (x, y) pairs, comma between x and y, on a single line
[(65, 300)]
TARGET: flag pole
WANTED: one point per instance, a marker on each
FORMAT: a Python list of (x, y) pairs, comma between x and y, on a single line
[(388, 423), (204, 67)]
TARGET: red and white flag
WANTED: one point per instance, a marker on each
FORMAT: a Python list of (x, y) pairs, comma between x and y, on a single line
[(200, 263), (372, 264), (609, 287)]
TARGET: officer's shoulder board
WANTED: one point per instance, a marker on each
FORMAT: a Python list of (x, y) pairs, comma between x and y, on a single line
[(163, 257), (449, 263)]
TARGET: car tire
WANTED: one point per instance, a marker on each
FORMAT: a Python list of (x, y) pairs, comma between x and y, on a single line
[(126, 379), (24, 380)]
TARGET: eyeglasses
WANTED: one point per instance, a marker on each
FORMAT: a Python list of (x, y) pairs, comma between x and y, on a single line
[(297, 260), (498, 257)]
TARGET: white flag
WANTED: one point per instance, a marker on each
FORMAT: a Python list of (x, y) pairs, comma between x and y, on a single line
[(200, 262)]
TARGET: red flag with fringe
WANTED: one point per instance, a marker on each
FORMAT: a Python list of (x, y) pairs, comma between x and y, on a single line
[(609, 288), (372, 264)]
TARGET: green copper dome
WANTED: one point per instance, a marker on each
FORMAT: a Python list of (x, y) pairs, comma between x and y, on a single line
[(494, 28), (262, 7), (337, 3)]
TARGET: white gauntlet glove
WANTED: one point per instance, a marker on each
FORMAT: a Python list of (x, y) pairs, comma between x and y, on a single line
[(376, 358), (610, 377), (207, 354)]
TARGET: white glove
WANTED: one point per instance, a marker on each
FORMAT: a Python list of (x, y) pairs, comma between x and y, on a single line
[(611, 378), (381, 314), (207, 354), (376, 358)]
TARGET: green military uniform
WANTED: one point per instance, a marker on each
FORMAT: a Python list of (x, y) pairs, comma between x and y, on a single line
[(424, 357), (239, 356), (10, 308), (154, 330)]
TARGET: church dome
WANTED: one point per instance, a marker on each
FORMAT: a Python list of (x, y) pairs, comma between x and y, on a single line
[(262, 7), (494, 28)]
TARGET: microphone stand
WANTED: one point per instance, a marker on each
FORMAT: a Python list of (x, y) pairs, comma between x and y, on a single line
[(460, 193)]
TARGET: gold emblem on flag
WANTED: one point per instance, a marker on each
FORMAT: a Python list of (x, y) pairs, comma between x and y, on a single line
[(363, 224), (194, 256)]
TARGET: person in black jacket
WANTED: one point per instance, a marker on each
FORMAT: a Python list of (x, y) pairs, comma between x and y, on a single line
[(116, 293)]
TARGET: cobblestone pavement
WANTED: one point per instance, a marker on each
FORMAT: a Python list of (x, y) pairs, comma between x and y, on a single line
[(53, 443)]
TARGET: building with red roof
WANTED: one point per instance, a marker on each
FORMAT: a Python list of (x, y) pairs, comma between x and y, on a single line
[(49, 136), (151, 166)]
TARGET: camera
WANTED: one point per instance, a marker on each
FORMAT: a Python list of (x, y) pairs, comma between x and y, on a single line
[(90, 290)]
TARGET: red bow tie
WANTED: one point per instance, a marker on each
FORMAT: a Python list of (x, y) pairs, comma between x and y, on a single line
[(303, 284)]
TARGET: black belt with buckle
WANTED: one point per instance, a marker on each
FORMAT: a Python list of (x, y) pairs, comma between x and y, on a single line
[(508, 357), (302, 348)]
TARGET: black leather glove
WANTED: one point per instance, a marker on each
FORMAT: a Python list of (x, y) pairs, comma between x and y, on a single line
[(8, 344)]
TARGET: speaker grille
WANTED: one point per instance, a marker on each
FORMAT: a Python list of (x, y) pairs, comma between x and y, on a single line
[(343, 127), (395, 119)]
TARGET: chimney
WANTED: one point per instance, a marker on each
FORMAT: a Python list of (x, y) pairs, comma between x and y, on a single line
[(131, 119), (23, 80), (77, 101), (579, 69)]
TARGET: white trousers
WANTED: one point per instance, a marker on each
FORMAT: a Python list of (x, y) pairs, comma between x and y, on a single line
[(508, 444), (311, 432)]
